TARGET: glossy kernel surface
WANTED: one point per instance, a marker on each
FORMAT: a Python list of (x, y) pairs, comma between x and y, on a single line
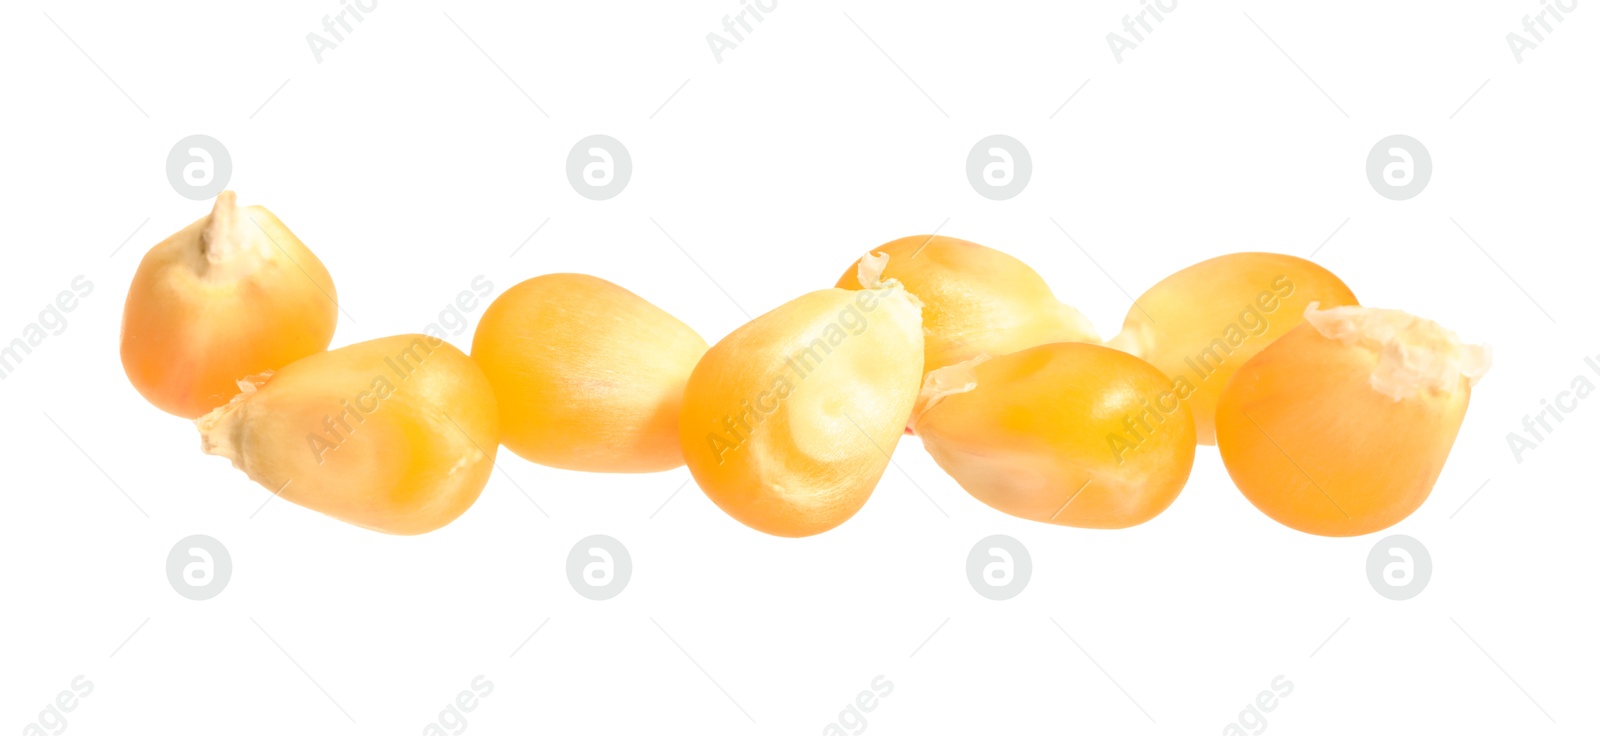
[(1066, 433), (589, 375), (233, 294), (396, 434), (1342, 426), (975, 300), (789, 421), (1203, 322)]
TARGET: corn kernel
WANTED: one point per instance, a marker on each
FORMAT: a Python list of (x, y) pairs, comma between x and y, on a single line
[(788, 422), (589, 376), (1342, 425), (1068, 433), (1200, 324), (396, 434), (975, 300), (231, 295)]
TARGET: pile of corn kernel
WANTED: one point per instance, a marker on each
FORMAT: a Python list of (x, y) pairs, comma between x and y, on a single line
[(1332, 418)]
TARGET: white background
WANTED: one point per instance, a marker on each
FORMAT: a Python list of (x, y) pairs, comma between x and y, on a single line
[(410, 163)]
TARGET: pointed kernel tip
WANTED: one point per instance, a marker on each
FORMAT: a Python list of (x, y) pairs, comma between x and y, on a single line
[(216, 437), (870, 270), (871, 274), (947, 381), (249, 384), (224, 235), (1414, 354)]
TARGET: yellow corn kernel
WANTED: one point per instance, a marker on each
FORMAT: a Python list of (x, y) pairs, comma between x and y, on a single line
[(231, 295), (975, 300), (1067, 433), (1200, 324), (589, 376), (396, 434), (1341, 426), (788, 422)]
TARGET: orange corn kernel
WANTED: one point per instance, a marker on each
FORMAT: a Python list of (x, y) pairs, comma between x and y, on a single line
[(788, 422), (396, 434), (1341, 426), (1200, 324), (589, 375), (1067, 433), (975, 300), (233, 294)]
